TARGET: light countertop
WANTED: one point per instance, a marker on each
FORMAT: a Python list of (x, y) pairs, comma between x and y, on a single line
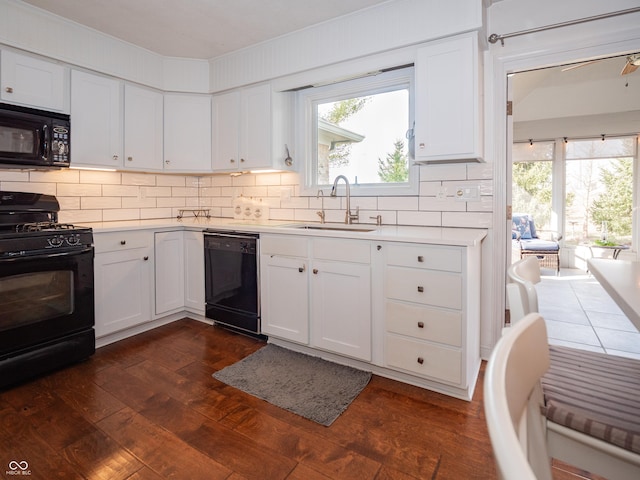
[(621, 280), (431, 235)]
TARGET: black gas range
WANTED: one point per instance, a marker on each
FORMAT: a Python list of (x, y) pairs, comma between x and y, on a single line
[(46, 288)]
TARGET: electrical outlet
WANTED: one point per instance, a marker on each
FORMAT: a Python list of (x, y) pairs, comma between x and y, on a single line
[(468, 193)]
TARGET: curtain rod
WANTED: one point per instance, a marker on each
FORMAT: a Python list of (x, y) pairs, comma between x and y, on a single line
[(494, 38)]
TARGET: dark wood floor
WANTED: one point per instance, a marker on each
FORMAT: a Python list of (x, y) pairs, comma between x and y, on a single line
[(148, 408)]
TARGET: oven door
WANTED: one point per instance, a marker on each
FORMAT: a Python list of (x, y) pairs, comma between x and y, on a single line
[(44, 298)]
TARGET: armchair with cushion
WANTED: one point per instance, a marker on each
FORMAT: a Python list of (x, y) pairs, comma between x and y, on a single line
[(523, 230)]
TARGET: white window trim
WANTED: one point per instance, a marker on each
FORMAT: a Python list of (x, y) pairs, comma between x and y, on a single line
[(306, 141)]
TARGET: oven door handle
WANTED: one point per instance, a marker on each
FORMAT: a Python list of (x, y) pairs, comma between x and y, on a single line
[(67, 253)]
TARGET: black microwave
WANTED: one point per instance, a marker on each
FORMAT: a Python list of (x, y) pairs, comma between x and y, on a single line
[(31, 138)]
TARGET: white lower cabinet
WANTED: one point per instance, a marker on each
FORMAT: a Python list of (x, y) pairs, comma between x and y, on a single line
[(123, 280), (341, 297), (169, 271), (431, 313), (318, 292), (284, 287), (194, 272)]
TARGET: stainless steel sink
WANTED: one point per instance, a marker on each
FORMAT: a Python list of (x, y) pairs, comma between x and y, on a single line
[(334, 226)]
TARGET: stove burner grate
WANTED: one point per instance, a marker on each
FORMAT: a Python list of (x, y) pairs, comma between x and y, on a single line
[(40, 226)]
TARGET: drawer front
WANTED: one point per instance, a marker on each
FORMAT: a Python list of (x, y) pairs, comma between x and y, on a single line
[(423, 359), (424, 286), (125, 240), (285, 245), (342, 250), (432, 257), (425, 323)]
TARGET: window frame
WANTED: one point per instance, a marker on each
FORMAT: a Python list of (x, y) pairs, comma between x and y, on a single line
[(307, 140)]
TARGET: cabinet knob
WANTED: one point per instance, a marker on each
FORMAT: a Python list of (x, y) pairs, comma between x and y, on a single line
[(379, 247), (167, 162), (115, 158), (301, 269), (420, 360), (420, 289), (315, 271), (9, 89), (242, 160), (146, 258), (421, 146), (420, 324), (420, 258), (232, 160), (123, 242), (130, 159)]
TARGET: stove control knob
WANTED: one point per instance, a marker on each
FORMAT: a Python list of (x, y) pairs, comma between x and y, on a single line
[(56, 241), (73, 240)]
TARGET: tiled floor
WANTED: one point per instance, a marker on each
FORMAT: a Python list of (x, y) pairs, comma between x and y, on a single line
[(580, 314)]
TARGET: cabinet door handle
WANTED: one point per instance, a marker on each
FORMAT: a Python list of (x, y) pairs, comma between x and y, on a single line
[(242, 160), (130, 159), (420, 289), (420, 258), (9, 89), (167, 162), (315, 271), (301, 269), (379, 247), (115, 158), (420, 324), (146, 258), (420, 360), (232, 160), (123, 242)]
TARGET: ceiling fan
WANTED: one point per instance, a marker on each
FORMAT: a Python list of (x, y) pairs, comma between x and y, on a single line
[(631, 65)]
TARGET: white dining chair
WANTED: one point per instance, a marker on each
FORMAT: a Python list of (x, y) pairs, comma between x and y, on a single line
[(513, 401), (522, 277)]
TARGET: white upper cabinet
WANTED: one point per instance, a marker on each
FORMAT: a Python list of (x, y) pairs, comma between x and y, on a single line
[(448, 101), (96, 120), (251, 128), (187, 133), (143, 128), (33, 82)]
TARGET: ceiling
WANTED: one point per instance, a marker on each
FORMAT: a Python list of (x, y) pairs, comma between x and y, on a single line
[(585, 99), (199, 28)]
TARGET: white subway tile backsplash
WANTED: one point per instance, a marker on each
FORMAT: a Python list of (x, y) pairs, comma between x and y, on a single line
[(120, 190), (120, 214), (467, 219), (93, 196), (138, 179), (97, 203), (30, 187), (99, 177)]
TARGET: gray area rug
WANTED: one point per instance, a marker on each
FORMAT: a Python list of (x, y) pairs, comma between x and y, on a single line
[(308, 386)]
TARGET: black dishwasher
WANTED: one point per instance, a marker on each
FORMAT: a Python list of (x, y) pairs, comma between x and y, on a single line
[(232, 291)]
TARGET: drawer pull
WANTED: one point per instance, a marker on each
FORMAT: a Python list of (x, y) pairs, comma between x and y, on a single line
[(146, 258), (420, 258), (420, 324), (420, 360), (315, 271), (300, 269), (9, 89), (421, 289), (123, 242)]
